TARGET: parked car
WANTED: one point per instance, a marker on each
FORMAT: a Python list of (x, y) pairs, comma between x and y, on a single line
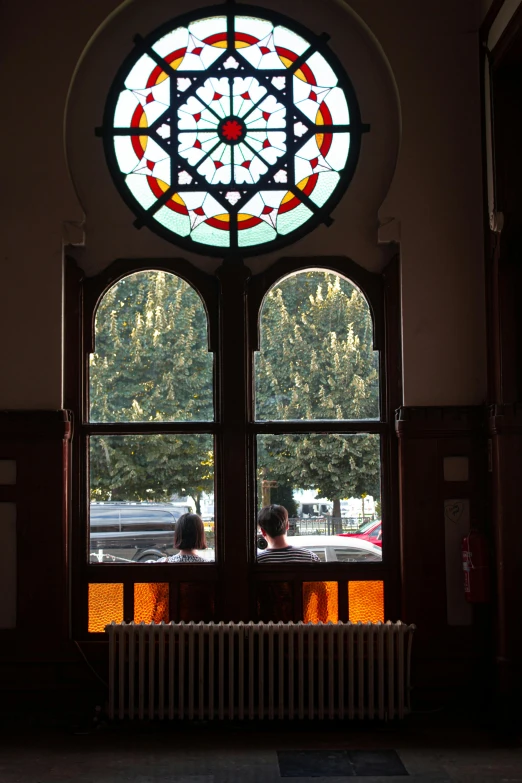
[(127, 532), (370, 531), (338, 549)]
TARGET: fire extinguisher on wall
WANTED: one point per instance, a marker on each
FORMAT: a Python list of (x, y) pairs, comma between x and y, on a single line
[(475, 564)]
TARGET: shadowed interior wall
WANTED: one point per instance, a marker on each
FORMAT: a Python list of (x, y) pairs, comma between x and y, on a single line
[(418, 189)]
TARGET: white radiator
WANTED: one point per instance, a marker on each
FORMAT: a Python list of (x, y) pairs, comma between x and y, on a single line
[(259, 670)]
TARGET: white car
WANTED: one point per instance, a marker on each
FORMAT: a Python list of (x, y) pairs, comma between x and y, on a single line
[(335, 549)]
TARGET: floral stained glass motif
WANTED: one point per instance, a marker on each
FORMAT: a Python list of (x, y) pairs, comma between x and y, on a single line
[(231, 132)]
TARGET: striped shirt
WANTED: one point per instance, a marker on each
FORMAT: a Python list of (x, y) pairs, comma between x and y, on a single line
[(288, 554)]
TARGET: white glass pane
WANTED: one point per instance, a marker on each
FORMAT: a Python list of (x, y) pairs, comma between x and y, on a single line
[(323, 73), (193, 62), (264, 145), (338, 153), (212, 25), (140, 189), (8, 586), (216, 168), (153, 111), (258, 28), (285, 38), (154, 152), (140, 73), (172, 42), (125, 108), (210, 54), (125, 154), (254, 56), (335, 101)]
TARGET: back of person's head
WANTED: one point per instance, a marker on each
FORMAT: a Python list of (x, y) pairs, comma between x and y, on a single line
[(189, 532), (273, 520)]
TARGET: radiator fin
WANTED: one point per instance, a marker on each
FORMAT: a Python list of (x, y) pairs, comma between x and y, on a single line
[(259, 670)]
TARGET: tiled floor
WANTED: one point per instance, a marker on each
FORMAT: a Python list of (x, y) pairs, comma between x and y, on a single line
[(419, 751)]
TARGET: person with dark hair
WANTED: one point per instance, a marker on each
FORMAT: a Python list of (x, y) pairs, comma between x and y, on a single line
[(273, 523), (189, 536)]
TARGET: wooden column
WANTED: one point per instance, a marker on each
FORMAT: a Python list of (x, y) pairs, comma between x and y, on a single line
[(232, 478), (38, 441), (505, 424)]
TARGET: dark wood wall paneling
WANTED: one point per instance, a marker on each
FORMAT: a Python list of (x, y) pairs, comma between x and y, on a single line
[(38, 441), (505, 426), (448, 659), (37, 657)]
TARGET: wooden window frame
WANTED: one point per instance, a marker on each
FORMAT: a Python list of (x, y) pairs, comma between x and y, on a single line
[(232, 298)]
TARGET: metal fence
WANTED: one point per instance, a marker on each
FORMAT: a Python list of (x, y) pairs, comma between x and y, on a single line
[(327, 525)]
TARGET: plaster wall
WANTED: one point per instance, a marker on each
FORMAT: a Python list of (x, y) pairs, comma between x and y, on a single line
[(416, 76)]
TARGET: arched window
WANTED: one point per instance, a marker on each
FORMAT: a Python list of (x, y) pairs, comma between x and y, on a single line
[(295, 409), (151, 365), (317, 363), (233, 132)]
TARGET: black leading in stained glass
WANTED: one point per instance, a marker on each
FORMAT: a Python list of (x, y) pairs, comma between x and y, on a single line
[(232, 133)]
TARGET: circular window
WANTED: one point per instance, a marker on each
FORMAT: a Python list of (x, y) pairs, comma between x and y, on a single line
[(232, 134)]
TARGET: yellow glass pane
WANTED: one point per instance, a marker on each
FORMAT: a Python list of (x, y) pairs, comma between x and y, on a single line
[(151, 602), (320, 602), (105, 605), (366, 602)]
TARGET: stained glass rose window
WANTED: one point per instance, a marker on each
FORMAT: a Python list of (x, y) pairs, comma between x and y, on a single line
[(232, 134)]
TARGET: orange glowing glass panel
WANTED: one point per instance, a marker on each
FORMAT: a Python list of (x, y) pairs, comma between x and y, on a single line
[(105, 606), (366, 602), (320, 602), (151, 602)]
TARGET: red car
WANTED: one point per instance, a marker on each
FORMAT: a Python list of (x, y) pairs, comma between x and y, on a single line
[(370, 531)]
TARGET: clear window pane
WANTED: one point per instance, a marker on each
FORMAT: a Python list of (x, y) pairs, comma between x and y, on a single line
[(316, 359), (330, 485), (151, 361), (140, 485)]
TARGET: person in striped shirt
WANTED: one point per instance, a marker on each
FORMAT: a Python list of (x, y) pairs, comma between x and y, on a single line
[(273, 523)]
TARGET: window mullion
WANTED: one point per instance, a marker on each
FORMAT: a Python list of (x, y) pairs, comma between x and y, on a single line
[(232, 452)]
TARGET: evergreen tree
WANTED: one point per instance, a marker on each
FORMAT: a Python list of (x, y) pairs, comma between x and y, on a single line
[(151, 364), (317, 362)]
